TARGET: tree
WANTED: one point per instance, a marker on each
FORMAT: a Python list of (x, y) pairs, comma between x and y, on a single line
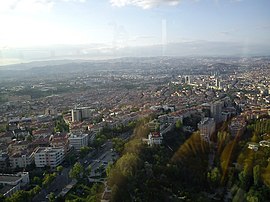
[(244, 179), (239, 196), (2, 198), (256, 174), (84, 151), (118, 144), (88, 170), (19, 196), (252, 199), (37, 180), (59, 169), (178, 124), (214, 176), (71, 158), (128, 164), (108, 169), (48, 178), (51, 197), (36, 189), (99, 140), (76, 171), (61, 125)]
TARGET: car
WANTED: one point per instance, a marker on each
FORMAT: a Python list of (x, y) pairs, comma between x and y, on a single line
[(85, 162)]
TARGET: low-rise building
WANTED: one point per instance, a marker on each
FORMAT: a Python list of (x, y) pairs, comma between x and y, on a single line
[(22, 159), (78, 140), (253, 145), (60, 140), (13, 182), (264, 143), (4, 161), (18, 146), (49, 156), (155, 138)]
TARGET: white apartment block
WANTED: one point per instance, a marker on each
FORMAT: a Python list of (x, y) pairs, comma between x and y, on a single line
[(49, 156), (78, 140), (78, 114)]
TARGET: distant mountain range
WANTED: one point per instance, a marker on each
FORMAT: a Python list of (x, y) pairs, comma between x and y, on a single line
[(60, 53)]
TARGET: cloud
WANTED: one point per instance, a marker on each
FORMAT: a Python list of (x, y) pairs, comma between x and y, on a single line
[(31, 5), (145, 4), (26, 5)]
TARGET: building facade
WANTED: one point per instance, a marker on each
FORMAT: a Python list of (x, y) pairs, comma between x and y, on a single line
[(22, 159), (216, 111), (78, 114), (155, 138), (4, 161), (49, 156), (207, 127), (78, 140)]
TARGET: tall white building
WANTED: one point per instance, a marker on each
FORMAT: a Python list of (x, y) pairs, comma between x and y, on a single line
[(218, 83), (187, 80), (207, 127), (78, 140), (49, 156), (78, 114)]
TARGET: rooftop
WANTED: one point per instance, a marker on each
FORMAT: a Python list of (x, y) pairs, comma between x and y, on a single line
[(9, 178), (5, 189), (206, 120)]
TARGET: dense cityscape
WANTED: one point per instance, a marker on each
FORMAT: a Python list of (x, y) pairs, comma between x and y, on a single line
[(134, 101), (136, 129)]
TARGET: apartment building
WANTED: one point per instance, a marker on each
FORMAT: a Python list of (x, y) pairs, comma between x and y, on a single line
[(49, 156), (207, 127), (78, 140)]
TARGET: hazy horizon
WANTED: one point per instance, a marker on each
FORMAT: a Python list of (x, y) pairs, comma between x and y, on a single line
[(82, 29)]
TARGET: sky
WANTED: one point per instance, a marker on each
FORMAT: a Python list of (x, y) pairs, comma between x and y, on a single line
[(111, 25)]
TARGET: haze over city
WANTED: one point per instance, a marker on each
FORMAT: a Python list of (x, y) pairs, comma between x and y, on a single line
[(88, 29), (134, 100)]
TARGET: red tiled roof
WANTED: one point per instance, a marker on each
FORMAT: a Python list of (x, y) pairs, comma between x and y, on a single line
[(156, 134)]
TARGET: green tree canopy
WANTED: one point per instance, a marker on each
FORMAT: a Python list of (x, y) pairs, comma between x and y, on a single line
[(76, 171)]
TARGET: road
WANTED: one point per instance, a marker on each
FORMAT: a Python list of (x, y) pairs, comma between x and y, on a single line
[(106, 155), (56, 186), (102, 157)]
